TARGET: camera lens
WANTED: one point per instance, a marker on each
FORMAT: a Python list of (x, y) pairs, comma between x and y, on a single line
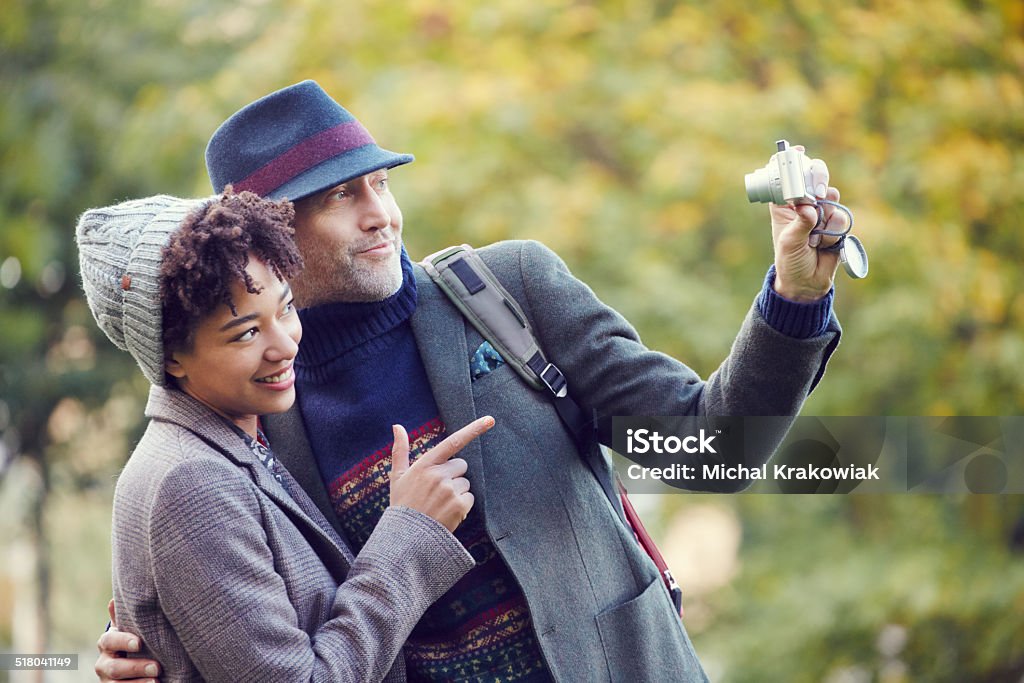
[(759, 186)]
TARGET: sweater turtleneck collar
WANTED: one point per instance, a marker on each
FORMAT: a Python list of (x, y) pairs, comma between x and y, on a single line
[(329, 331)]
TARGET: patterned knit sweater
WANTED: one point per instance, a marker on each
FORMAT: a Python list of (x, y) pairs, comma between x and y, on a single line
[(359, 372)]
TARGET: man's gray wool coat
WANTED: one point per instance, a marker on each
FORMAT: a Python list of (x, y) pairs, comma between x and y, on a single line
[(599, 608)]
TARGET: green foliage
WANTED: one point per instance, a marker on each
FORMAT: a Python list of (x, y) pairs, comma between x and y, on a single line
[(617, 133), (876, 585)]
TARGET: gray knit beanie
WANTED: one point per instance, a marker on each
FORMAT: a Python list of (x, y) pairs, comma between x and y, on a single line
[(119, 251)]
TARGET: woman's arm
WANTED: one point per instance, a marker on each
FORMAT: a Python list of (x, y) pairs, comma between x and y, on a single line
[(228, 566), (227, 593)]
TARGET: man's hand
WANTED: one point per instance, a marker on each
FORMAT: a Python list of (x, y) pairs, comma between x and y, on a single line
[(434, 484), (113, 665), (802, 272)]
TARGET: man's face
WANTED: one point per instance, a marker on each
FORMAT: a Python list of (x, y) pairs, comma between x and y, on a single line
[(350, 237)]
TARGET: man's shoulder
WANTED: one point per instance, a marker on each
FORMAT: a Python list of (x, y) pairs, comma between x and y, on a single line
[(514, 262), (518, 254), (514, 254), (511, 261)]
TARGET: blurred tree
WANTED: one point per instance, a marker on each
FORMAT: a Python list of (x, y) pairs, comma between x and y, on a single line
[(896, 588), (70, 77)]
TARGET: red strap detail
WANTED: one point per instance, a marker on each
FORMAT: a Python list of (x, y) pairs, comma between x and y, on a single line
[(644, 538)]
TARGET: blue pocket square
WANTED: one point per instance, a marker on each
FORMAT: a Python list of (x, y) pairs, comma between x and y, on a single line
[(485, 359)]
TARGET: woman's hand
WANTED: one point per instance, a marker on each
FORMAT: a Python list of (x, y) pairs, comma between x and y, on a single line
[(434, 484)]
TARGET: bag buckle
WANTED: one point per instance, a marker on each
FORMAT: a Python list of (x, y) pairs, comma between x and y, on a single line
[(557, 384)]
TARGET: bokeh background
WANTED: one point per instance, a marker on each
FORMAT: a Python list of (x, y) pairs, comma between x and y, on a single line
[(618, 133)]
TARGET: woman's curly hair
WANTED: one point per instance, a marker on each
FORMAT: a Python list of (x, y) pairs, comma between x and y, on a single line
[(210, 251)]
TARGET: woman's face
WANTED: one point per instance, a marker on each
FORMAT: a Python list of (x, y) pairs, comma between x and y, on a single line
[(241, 365)]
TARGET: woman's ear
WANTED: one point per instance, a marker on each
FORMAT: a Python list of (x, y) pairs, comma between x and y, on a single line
[(173, 366)]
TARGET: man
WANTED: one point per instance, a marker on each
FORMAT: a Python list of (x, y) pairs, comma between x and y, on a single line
[(561, 590)]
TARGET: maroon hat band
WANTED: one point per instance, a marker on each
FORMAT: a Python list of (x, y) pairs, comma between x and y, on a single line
[(313, 150)]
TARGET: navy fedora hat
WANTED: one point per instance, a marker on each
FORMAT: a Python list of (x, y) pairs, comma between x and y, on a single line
[(293, 143)]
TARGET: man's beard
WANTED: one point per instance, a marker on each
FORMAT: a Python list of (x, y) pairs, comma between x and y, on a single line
[(330, 278)]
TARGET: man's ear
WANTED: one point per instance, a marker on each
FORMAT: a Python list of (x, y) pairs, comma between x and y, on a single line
[(173, 367)]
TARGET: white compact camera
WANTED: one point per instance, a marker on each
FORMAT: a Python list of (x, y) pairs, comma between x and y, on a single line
[(786, 178)]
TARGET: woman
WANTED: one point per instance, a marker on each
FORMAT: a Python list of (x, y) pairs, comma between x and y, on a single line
[(221, 562)]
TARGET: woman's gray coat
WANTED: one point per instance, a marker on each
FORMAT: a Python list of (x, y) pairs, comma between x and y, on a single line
[(229, 577)]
